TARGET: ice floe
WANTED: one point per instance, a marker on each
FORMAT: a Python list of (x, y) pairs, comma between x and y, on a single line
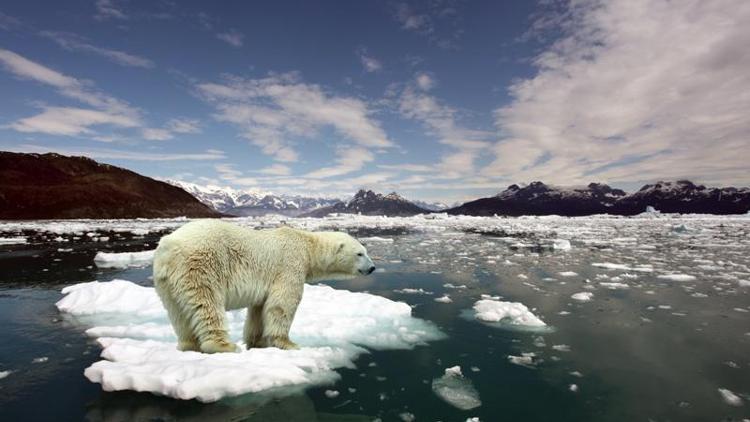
[(582, 296), (12, 240), (124, 259), (444, 299), (510, 313), (729, 397), (332, 327), (456, 390)]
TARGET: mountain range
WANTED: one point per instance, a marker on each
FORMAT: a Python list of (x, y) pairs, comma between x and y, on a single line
[(681, 196), (47, 186)]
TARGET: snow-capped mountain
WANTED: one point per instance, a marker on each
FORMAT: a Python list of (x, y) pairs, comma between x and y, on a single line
[(252, 202), (431, 206), (675, 197), (367, 202)]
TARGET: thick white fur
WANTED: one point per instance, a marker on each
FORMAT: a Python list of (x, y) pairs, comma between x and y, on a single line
[(208, 266)]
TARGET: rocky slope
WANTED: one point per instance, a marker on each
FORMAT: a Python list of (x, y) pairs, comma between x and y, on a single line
[(51, 186)]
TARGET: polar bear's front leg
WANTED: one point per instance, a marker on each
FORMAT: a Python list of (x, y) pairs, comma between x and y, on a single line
[(278, 313)]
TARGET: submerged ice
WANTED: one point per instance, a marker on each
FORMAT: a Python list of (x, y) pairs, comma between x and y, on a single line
[(456, 390), (332, 327)]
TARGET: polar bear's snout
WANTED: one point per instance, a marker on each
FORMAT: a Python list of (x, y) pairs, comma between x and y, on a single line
[(366, 266)]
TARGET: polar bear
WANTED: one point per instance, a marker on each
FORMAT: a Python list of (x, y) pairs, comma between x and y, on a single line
[(209, 266)]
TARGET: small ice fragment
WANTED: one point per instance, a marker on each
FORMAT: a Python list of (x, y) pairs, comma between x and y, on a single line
[(561, 347), (568, 273), (474, 419), (582, 296), (4, 374), (375, 239), (561, 244), (730, 398), (444, 299), (526, 359), (677, 277), (124, 259), (456, 390), (576, 374), (331, 394), (573, 388), (453, 286), (40, 359), (410, 291), (407, 417), (12, 240)]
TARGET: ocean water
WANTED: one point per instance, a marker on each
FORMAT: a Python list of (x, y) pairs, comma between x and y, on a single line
[(664, 336)]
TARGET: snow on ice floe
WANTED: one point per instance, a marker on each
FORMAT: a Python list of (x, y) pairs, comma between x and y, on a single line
[(456, 390), (506, 313), (124, 259), (331, 326)]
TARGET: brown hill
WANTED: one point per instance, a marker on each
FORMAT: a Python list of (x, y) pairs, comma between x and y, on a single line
[(51, 186)]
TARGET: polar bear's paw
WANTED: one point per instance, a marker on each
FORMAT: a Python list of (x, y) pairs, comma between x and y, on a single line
[(280, 342), (213, 346)]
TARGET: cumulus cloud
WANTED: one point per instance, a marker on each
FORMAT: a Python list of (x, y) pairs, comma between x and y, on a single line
[(69, 121), (369, 63), (632, 91), (348, 159), (232, 37), (272, 111), (72, 42)]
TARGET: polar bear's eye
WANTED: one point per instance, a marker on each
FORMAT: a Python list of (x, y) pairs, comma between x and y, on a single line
[(360, 254)]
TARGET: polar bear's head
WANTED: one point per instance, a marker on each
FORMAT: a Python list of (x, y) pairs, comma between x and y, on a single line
[(348, 258)]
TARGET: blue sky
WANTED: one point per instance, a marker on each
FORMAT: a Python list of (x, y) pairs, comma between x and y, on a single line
[(439, 100)]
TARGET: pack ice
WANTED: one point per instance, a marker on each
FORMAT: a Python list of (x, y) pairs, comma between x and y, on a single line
[(333, 327)]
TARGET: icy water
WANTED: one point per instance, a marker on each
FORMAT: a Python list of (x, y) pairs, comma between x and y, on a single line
[(664, 336)]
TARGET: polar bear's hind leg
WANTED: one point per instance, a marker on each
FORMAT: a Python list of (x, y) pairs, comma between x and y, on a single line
[(253, 326), (278, 314)]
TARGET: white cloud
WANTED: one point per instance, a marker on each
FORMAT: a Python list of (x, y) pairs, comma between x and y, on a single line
[(101, 153), (271, 111), (369, 63), (108, 9), (425, 81), (441, 121), (232, 37), (438, 21), (181, 125), (67, 86), (634, 90), (349, 159), (69, 121), (72, 42), (276, 170), (156, 134)]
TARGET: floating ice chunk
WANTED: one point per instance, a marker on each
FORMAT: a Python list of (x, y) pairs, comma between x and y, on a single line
[(612, 285), (331, 394), (677, 277), (568, 273), (12, 240), (730, 398), (444, 299), (474, 419), (40, 359), (410, 291), (611, 266), (561, 347), (582, 296), (561, 244), (526, 359), (512, 313), (374, 239), (453, 286), (124, 259), (407, 417), (573, 388), (743, 283), (456, 390), (331, 326), (4, 374)]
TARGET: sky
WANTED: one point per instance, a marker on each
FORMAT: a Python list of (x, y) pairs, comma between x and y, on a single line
[(439, 100)]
